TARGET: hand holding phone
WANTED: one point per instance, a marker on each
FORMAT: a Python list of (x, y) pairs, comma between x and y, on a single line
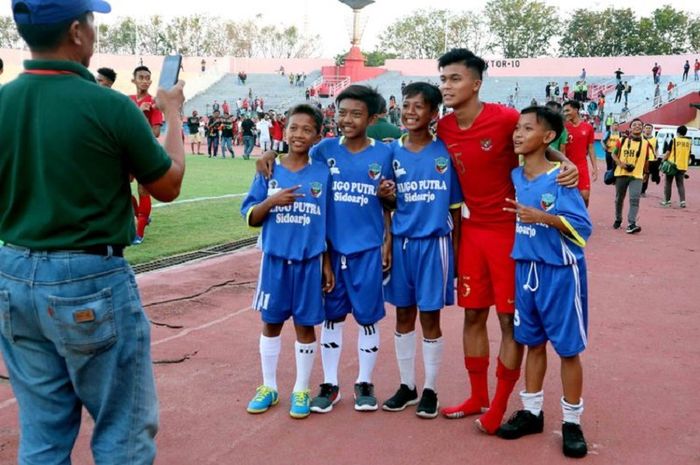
[(170, 72)]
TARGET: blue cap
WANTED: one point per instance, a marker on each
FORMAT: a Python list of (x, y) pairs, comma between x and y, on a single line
[(55, 11)]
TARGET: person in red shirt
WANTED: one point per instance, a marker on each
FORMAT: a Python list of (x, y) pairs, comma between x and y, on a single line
[(579, 147), (479, 137), (277, 132), (565, 91), (147, 104)]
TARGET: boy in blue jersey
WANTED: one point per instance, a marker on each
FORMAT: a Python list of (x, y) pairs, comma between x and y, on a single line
[(292, 208), (356, 236), (422, 273), (551, 289)]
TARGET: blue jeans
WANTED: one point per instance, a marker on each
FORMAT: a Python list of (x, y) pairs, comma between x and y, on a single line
[(227, 146), (73, 333), (248, 144)]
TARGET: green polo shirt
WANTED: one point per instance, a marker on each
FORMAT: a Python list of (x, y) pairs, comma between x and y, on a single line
[(383, 129), (563, 137), (68, 147)]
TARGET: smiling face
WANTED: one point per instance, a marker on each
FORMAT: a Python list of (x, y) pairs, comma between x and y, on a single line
[(636, 128), (416, 112), (570, 114), (531, 135), (353, 118), (459, 85), (301, 133)]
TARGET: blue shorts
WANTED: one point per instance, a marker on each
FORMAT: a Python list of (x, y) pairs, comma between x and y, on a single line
[(422, 273), (358, 287), (551, 304), (290, 288)]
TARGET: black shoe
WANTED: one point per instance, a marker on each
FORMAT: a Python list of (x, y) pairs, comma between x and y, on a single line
[(402, 399), (521, 423), (328, 396), (633, 228), (617, 224), (429, 405), (573, 442)]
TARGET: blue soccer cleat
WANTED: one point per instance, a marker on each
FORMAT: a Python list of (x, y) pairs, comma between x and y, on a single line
[(301, 404), (265, 397)]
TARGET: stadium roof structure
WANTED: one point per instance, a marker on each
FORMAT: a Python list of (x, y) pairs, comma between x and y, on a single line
[(357, 4)]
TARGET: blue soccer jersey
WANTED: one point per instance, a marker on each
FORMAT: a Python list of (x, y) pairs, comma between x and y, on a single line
[(539, 242), (355, 216), (426, 189), (297, 231)]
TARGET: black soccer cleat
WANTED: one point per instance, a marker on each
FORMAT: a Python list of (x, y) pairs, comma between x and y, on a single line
[(429, 405), (521, 423), (403, 398), (573, 442)]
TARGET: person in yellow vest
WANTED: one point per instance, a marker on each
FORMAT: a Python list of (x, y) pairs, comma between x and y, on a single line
[(631, 156), (653, 171), (610, 142), (677, 151)]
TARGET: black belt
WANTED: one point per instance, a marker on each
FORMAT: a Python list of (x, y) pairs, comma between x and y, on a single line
[(102, 250)]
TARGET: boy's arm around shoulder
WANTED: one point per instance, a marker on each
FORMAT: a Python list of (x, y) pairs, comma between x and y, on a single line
[(573, 215)]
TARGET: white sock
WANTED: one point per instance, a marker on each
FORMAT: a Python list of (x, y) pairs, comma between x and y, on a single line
[(305, 355), (331, 346), (405, 345), (432, 355), (367, 351), (269, 354), (572, 413), (532, 401)]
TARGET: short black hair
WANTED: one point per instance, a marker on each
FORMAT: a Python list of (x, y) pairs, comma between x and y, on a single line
[(305, 109), (575, 104), (682, 130), (44, 37), (2, 65), (108, 73), (366, 94), (141, 68), (464, 57), (549, 118), (431, 93), (553, 105), (382, 105)]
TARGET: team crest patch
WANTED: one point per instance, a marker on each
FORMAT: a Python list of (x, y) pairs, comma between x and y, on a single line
[(316, 189), (332, 165), (486, 145), (441, 165), (374, 171), (273, 184), (398, 171), (547, 202)]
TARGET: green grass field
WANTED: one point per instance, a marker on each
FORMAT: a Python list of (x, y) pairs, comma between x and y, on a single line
[(178, 228)]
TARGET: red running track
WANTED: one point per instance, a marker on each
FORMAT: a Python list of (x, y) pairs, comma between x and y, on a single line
[(641, 370)]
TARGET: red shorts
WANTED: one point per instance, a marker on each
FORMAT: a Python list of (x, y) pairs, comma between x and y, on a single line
[(486, 270), (584, 178)]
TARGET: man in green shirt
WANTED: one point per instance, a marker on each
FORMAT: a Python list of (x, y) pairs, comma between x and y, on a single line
[(382, 129), (72, 329), (560, 143)]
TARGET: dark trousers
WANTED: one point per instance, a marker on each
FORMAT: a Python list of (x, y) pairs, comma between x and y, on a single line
[(212, 145)]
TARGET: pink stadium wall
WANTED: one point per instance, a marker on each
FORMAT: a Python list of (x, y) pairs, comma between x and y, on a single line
[(545, 67), (529, 67)]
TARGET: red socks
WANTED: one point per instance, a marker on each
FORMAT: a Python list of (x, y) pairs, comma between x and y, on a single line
[(491, 420), (477, 367), (144, 213)]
